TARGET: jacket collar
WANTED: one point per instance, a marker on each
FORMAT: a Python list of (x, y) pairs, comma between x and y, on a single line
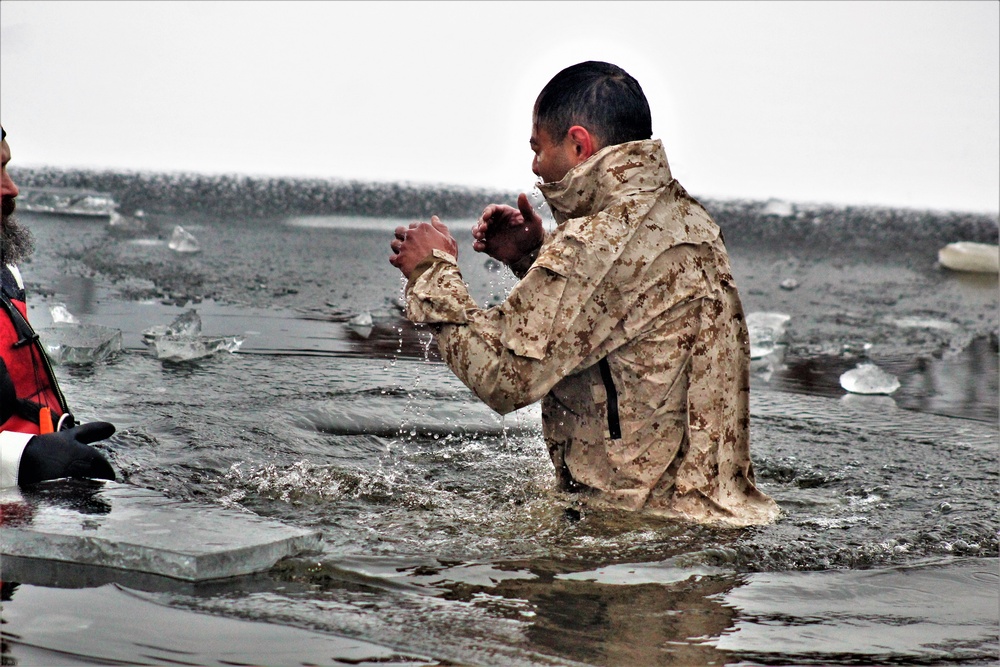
[(608, 175)]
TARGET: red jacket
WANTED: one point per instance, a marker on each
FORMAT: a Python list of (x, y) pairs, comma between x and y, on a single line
[(24, 363)]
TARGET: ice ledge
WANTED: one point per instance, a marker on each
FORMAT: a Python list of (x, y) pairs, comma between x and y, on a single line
[(129, 528)]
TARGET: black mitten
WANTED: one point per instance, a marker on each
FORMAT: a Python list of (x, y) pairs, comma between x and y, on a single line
[(66, 454)]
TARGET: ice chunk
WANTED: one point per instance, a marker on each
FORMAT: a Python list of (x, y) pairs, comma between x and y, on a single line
[(868, 378), (788, 284), (188, 348), (181, 340), (60, 315), (183, 241), (767, 331), (361, 324), (188, 324), (924, 323), (778, 207), (130, 528), (973, 257), (80, 343)]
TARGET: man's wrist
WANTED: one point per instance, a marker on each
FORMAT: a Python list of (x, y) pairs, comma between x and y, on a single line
[(521, 266), (429, 261)]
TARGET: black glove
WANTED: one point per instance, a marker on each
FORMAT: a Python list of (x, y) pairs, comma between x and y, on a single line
[(66, 454)]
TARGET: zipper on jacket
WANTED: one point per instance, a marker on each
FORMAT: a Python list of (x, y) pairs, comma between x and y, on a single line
[(614, 424)]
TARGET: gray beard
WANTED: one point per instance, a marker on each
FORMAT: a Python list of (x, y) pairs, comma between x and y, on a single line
[(16, 241)]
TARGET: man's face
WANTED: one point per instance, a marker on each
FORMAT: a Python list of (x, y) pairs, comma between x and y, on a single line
[(7, 187), (15, 241), (552, 158)]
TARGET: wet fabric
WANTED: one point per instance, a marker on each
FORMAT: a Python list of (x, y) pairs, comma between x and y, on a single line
[(629, 328)]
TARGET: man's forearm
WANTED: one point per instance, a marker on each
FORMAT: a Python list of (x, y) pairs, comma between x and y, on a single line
[(501, 353)]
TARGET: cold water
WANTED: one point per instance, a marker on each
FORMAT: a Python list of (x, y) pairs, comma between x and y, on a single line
[(444, 542)]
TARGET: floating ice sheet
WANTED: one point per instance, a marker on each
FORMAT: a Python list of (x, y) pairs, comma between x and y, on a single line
[(80, 343), (869, 379), (115, 525)]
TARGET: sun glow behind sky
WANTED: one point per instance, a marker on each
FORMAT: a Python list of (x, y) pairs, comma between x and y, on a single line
[(886, 103)]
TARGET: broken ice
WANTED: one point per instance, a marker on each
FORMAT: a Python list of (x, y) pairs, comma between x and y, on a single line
[(61, 315), (183, 241), (788, 284), (187, 348), (188, 324), (767, 331), (80, 343), (140, 530), (181, 340), (868, 379), (779, 208), (361, 324)]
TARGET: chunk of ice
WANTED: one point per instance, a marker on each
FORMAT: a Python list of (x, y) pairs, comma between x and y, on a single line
[(189, 348), (361, 324), (188, 324), (181, 340), (869, 379), (779, 208), (126, 527), (80, 344), (973, 257), (767, 331), (923, 323), (61, 315), (789, 284), (183, 241)]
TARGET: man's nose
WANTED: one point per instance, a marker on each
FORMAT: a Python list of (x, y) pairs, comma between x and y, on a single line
[(8, 188)]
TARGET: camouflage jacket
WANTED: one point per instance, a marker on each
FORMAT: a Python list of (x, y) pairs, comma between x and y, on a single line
[(629, 328)]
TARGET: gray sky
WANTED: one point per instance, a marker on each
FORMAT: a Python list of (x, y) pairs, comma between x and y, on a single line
[(894, 103)]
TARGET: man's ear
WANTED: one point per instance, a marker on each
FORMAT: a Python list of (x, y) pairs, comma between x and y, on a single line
[(582, 143)]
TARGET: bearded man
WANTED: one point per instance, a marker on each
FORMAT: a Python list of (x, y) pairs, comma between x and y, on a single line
[(39, 439)]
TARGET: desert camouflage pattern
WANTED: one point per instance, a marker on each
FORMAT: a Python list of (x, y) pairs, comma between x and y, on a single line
[(629, 328)]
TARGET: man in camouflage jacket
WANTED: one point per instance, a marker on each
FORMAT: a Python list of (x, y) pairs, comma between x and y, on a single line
[(626, 323)]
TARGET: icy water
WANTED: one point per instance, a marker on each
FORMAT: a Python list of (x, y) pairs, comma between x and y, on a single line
[(444, 543)]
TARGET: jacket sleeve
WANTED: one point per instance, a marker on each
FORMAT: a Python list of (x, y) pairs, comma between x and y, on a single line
[(12, 445), (513, 354)]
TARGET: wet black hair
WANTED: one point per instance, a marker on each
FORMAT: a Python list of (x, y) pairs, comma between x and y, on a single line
[(599, 96)]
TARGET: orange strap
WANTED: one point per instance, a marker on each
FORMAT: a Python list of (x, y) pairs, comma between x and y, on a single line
[(45, 421)]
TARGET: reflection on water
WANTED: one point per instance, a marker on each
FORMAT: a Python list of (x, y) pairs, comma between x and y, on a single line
[(895, 616), (962, 383)]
